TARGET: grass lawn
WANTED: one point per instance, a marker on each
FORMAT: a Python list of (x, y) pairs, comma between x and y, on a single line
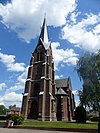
[(88, 125), (2, 120)]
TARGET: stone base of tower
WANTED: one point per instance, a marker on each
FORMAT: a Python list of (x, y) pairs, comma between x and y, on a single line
[(46, 118)]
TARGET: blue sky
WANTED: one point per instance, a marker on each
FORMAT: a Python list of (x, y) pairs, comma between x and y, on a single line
[(73, 26)]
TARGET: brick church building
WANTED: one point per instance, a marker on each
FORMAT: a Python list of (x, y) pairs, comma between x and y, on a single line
[(44, 97)]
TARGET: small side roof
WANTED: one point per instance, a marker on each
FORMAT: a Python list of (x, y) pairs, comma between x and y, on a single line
[(61, 92), (14, 109)]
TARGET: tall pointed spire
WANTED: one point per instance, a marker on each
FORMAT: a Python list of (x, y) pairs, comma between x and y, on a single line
[(44, 35)]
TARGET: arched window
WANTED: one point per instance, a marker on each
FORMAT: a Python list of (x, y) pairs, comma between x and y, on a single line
[(36, 90), (38, 56)]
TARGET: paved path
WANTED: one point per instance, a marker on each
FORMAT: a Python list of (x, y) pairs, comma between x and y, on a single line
[(11, 130)]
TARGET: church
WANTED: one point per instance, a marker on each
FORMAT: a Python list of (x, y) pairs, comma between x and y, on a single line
[(45, 98)]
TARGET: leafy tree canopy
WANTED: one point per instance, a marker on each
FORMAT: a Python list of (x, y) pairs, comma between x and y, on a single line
[(88, 69), (2, 110)]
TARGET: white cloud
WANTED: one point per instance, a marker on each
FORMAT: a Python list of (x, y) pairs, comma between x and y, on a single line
[(2, 86), (20, 84), (97, 29), (15, 88), (11, 99), (58, 76), (9, 62), (85, 34), (75, 92), (24, 17), (71, 61), (22, 77), (77, 100), (67, 56), (11, 95), (74, 16)]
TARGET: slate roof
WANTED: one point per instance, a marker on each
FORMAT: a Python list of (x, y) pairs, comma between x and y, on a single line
[(13, 108), (60, 83), (61, 92)]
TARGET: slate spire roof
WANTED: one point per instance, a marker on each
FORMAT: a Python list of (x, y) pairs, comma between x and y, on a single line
[(44, 35)]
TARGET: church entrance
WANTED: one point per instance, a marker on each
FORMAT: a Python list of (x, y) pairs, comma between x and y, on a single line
[(34, 110)]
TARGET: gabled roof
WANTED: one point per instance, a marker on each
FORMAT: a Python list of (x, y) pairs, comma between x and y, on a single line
[(60, 83), (44, 35), (61, 92), (13, 108)]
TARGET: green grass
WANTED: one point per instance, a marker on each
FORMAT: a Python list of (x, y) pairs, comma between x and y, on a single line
[(2, 120), (88, 125)]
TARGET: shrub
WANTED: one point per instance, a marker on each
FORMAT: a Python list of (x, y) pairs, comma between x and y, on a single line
[(80, 114), (18, 119), (3, 117), (94, 118)]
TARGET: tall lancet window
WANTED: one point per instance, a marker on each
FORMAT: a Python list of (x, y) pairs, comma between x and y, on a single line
[(39, 53), (41, 56), (36, 90), (38, 56)]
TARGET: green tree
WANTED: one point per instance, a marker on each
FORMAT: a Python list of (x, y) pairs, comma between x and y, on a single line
[(2, 110), (88, 69)]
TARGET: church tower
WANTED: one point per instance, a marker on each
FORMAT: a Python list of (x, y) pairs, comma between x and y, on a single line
[(39, 95)]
